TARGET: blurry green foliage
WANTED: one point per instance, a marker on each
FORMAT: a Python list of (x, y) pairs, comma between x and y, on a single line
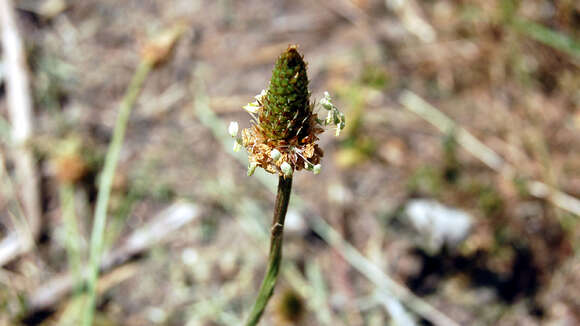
[(536, 31), (521, 186), (357, 146), (549, 37), (208, 228), (425, 180), (489, 201), (451, 168), (52, 78), (508, 9), (375, 77)]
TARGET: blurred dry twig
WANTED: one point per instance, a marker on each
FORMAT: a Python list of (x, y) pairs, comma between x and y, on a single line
[(377, 276), (165, 223), (412, 18), (419, 106), (22, 119)]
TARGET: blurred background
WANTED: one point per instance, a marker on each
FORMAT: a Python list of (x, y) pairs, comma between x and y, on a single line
[(449, 199)]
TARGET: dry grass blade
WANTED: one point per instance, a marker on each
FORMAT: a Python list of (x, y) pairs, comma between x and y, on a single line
[(416, 104), (377, 276), (165, 223), (73, 237), (18, 242), (412, 18), (106, 183), (22, 119)]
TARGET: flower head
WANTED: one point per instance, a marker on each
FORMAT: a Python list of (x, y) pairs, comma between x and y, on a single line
[(284, 131)]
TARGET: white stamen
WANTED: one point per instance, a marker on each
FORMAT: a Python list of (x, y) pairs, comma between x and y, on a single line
[(253, 107), (251, 168), (259, 96), (233, 129), (286, 169), (275, 154), (316, 169)]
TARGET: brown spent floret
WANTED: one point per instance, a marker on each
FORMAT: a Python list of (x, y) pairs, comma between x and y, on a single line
[(293, 151)]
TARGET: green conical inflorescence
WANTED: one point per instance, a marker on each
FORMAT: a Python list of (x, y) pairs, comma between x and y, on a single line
[(286, 108)]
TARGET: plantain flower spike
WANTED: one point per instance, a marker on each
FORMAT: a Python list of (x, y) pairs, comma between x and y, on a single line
[(284, 130)]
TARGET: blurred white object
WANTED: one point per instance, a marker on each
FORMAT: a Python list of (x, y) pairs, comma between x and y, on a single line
[(295, 223), (413, 18), (399, 315), (189, 256), (233, 129), (437, 223), (156, 315)]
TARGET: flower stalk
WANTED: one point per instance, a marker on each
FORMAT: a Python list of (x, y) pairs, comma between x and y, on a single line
[(281, 140), (105, 185), (156, 52), (275, 257)]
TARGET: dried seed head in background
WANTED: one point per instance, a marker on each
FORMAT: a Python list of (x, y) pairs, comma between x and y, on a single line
[(158, 49), (284, 129), (69, 159), (290, 308)]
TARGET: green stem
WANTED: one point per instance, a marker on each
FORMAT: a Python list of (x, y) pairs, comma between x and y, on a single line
[(73, 239), (275, 258), (105, 184)]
